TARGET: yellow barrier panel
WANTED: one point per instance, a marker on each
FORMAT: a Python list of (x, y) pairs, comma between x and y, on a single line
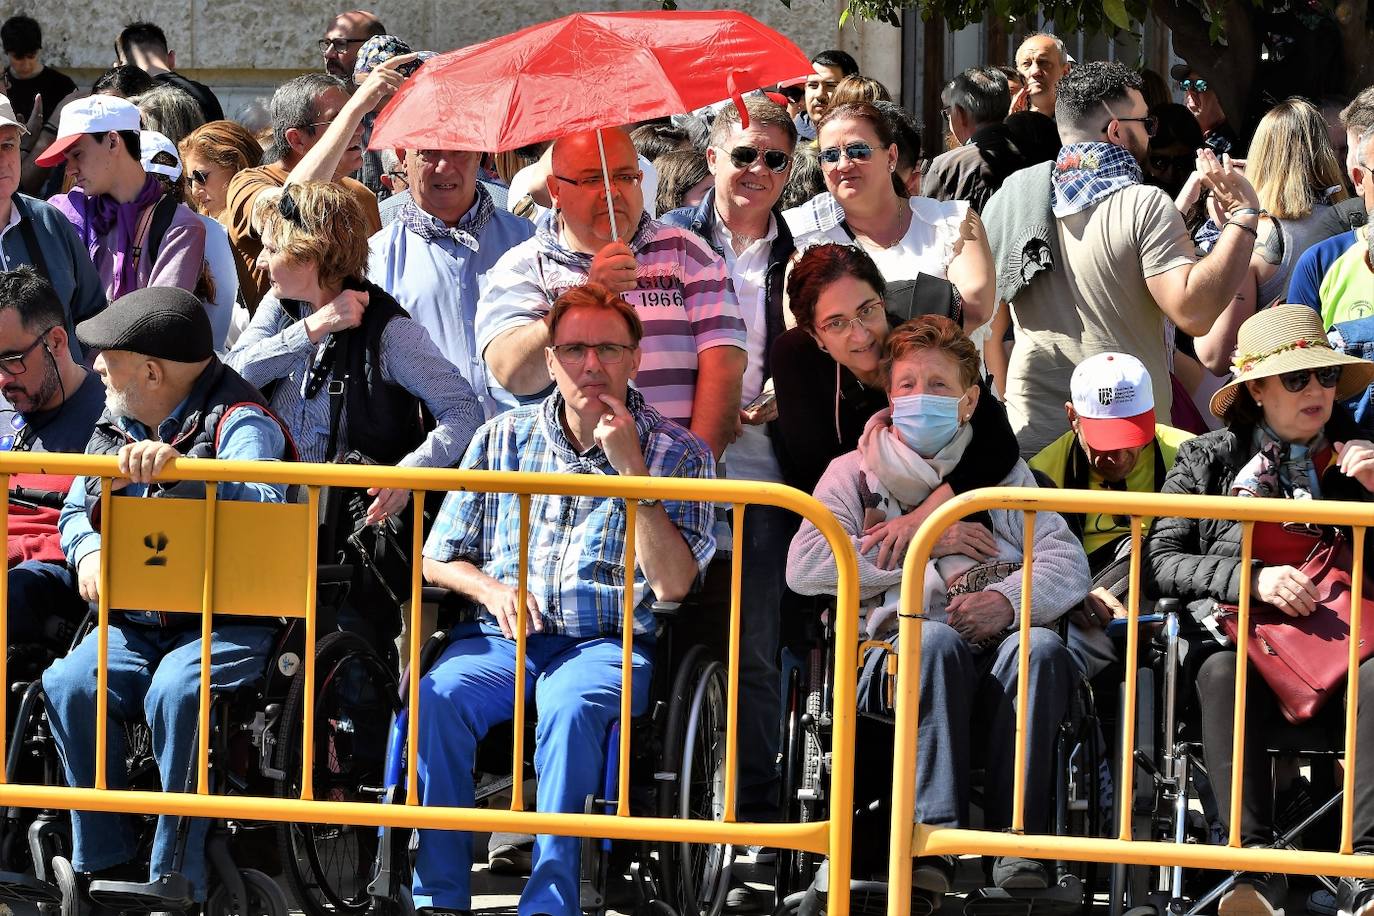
[(162, 554), (910, 839)]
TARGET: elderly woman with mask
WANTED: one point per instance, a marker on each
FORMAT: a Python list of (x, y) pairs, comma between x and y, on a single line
[(969, 641)]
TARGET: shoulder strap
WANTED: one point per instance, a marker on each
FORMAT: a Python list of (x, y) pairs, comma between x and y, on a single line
[(30, 238), (164, 211), (337, 389)]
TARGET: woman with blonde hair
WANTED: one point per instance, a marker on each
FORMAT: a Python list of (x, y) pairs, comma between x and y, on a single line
[(1297, 177), (858, 88)]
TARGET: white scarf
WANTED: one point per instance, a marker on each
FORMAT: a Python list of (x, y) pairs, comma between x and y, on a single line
[(901, 478)]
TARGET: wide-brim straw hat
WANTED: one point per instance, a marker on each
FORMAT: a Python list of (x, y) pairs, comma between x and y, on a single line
[(1283, 339)]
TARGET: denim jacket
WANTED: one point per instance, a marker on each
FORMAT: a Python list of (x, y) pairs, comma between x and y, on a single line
[(1356, 338)]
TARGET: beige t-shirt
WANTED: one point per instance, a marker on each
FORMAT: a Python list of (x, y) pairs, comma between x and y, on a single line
[(1095, 302)]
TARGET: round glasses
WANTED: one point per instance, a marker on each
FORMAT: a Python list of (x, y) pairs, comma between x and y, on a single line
[(1198, 85)]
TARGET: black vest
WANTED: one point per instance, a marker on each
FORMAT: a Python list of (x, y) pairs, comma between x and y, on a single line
[(218, 390), (384, 419)]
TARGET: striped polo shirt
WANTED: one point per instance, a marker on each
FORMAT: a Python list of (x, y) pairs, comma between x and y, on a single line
[(683, 295)]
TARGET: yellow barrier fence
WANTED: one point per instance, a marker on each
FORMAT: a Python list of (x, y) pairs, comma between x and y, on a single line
[(194, 556), (912, 839)]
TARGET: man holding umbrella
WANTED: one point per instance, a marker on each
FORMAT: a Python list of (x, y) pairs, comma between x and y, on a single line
[(694, 346)]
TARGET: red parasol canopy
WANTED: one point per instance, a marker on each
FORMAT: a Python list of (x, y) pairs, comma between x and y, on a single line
[(582, 72)]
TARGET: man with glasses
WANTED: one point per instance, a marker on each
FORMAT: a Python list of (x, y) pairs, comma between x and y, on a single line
[(1095, 261), (301, 109), (1114, 444), (976, 103), (448, 235), (1202, 100), (144, 45), (593, 423), (694, 346), (343, 38), (53, 405)]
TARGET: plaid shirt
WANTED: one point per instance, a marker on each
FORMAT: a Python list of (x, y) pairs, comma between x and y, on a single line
[(577, 543)]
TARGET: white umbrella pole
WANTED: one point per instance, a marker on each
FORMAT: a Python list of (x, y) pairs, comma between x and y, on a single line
[(606, 177)]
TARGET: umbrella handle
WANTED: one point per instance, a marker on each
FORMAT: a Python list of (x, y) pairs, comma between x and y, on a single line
[(606, 178)]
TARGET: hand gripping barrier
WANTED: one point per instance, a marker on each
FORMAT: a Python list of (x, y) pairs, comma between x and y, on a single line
[(910, 839), (174, 555)]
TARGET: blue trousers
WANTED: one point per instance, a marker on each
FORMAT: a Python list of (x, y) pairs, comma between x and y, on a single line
[(968, 698), (154, 675), (43, 599), (575, 684)]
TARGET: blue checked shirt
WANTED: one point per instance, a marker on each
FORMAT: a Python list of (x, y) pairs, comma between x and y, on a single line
[(577, 543)]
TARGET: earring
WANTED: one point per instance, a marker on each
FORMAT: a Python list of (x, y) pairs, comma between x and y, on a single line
[(891, 167)]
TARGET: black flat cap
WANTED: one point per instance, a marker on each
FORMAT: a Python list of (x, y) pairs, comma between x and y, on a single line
[(161, 321)]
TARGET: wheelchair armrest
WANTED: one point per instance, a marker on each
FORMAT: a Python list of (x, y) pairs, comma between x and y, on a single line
[(666, 611)]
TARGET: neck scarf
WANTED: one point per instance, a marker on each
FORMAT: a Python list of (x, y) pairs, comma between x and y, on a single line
[(97, 216), (900, 479), (1085, 173), (1280, 470), (466, 233)]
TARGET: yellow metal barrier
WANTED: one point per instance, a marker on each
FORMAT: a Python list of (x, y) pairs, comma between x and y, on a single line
[(163, 555), (910, 839)]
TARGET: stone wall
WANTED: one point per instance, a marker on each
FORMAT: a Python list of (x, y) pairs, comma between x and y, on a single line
[(244, 47)]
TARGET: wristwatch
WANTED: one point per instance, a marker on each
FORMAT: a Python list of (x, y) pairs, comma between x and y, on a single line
[(648, 502)]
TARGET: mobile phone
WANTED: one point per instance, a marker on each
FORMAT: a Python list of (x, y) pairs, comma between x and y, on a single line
[(765, 398)]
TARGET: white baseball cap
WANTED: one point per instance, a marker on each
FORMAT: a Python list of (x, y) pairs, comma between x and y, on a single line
[(7, 118), (151, 143), (1114, 400), (95, 114)]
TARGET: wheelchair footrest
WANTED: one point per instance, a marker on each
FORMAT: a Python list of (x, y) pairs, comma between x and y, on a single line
[(170, 893), (1052, 901), (19, 886)]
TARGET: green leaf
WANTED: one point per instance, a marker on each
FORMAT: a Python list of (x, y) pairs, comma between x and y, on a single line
[(844, 17), (1116, 12)]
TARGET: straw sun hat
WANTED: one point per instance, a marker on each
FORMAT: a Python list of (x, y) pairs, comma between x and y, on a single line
[(1282, 339)]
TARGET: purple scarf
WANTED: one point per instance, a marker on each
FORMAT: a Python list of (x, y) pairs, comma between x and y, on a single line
[(94, 217)]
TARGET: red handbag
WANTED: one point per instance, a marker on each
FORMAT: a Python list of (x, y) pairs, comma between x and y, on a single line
[(1305, 660)]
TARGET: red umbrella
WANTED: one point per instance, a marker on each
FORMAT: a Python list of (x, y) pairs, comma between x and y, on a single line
[(583, 72)]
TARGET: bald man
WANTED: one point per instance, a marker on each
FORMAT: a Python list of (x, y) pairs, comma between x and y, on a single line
[(342, 40), (1041, 60), (693, 352)]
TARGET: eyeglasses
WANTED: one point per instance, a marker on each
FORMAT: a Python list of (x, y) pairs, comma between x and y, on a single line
[(1295, 381), (854, 152), (837, 326), (625, 180), (200, 177), (575, 354), (775, 160), (1149, 122), (13, 363), (338, 45), (1194, 85)]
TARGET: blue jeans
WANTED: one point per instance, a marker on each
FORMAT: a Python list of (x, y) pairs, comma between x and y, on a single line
[(43, 602), (154, 675), (969, 697), (575, 684)]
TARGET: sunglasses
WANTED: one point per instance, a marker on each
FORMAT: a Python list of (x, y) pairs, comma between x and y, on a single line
[(1194, 85), (1295, 381), (854, 152), (200, 177), (775, 160)]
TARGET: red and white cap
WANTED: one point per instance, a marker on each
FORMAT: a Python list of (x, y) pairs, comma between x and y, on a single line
[(1114, 400), (96, 114)]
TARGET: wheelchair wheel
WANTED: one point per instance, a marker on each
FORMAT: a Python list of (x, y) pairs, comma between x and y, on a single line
[(265, 898), (803, 767), (328, 866), (696, 875)]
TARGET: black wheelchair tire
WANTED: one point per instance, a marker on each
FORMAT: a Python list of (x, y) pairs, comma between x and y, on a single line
[(309, 852), (265, 897)]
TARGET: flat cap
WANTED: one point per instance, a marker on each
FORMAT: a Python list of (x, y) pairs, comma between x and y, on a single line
[(164, 322)]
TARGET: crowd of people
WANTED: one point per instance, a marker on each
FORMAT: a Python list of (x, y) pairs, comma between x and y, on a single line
[(1085, 289)]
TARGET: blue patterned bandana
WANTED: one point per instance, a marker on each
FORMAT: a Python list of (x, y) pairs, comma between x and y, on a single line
[(1085, 173), (466, 233)]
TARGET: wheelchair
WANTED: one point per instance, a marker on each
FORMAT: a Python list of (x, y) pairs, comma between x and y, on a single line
[(255, 749), (1173, 798), (677, 769), (802, 882)]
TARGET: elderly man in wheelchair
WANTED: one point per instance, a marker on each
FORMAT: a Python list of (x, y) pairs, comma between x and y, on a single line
[(594, 423), (969, 639), (167, 395)]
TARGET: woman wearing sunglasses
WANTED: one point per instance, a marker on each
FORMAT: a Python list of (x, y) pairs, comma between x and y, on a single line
[(905, 236), (1284, 437), (1297, 177)]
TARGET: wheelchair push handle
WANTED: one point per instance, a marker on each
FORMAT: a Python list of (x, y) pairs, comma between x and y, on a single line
[(1164, 608)]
